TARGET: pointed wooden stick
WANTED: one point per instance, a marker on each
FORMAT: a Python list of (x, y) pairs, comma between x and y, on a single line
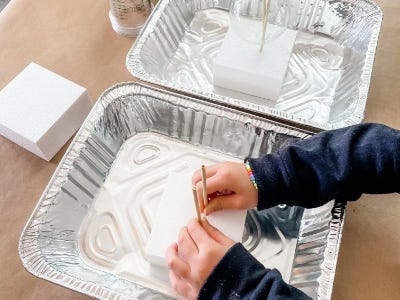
[(203, 178), (264, 23), (196, 203)]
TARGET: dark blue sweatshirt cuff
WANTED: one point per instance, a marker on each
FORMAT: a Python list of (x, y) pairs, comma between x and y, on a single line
[(240, 276), (273, 185)]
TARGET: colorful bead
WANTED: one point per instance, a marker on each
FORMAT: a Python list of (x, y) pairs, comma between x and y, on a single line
[(251, 175)]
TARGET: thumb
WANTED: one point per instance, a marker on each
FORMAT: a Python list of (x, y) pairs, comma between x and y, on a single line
[(222, 202), (217, 235), (199, 235)]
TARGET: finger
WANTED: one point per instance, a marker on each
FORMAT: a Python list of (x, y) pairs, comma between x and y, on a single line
[(181, 286), (197, 181), (199, 235), (215, 186), (210, 171), (216, 234), (186, 246), (231, 201), (175, 263)]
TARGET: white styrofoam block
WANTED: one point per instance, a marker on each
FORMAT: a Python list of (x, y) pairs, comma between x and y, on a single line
[(240, 66), (175, 209), (40, 110)]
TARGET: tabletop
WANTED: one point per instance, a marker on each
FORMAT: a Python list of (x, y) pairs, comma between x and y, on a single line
[(74, 39)]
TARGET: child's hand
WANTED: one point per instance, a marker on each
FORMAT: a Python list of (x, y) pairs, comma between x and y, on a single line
[(228, 186), (191, 260)]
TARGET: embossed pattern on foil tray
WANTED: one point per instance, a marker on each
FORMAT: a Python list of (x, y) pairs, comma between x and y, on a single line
[(314, 70), (328, 76), (116, 229)]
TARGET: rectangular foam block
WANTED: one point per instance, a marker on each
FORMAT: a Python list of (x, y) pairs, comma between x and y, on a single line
[(240, 66), (40, 110), (175, 209)]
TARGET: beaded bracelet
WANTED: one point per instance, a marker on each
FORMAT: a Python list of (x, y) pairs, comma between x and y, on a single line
[(251, 175)]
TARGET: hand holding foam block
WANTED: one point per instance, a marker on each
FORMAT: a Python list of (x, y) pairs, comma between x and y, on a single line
[(175, 209)]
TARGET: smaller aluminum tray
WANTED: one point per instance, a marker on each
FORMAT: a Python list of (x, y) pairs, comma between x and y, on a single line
[(92, 222), (329, 72)]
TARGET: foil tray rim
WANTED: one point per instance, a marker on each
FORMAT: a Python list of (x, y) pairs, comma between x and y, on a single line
[(135, 67)]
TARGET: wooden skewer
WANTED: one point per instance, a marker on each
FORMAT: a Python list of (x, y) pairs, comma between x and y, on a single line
[(203, 178), (264, 23), (196, 203)]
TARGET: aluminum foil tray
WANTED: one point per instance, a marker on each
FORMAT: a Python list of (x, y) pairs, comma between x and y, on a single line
[(328, 77), (93, 220)]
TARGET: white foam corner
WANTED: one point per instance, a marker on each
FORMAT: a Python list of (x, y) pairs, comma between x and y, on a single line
[(40, 110), (175, 209), (240, 66)]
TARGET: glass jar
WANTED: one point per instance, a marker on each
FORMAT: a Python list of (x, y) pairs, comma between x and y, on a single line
[(128, 16)]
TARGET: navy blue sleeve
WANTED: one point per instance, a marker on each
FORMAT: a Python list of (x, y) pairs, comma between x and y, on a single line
[(240, 276), (339, 164)]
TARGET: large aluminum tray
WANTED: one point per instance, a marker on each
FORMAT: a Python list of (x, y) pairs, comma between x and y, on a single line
[(329, 72), (89, 228)]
